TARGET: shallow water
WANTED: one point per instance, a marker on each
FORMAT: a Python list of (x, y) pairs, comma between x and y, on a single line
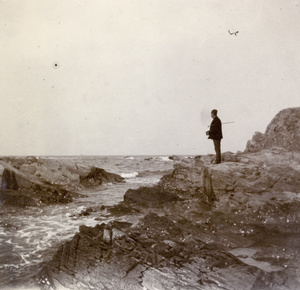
[(31, 235)]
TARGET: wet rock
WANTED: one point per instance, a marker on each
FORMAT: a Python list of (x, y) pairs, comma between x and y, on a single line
[(98, 176), (90, 231), (149, 196), (18, 199), (122, 209), (141, 256), (9, 180), (86, 212)]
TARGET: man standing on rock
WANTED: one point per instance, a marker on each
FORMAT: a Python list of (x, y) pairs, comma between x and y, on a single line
[(215, 133)]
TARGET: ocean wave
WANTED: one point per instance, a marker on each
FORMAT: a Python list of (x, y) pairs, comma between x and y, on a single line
[(129, 157), (144, 181), (155, 172), (129, 175), (164, 158)]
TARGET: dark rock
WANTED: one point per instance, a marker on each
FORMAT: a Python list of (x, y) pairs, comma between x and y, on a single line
[(103, 257), (148, 159), (98, 176), (29, 186), (167, 249), (149, 196), (9, 180), (120, 225), (86, 212), (122, 209), (90, 231), (13, 198)]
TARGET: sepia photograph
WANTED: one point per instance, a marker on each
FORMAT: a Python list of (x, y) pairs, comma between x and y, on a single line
[(149, 144)]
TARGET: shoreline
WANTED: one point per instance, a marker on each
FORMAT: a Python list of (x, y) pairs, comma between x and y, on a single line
[(168, 229), (233, 225)]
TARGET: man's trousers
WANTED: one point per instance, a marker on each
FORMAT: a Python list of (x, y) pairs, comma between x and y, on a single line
[(217, 144)]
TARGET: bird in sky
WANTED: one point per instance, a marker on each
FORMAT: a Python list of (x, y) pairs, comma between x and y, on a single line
[(231, 33)]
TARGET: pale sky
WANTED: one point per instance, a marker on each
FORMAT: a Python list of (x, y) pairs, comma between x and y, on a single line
[(141, 77)]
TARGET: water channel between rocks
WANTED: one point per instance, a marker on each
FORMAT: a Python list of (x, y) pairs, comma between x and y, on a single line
[(31, 235)]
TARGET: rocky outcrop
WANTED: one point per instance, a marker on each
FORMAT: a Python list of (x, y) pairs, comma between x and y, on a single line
[(36, 181), (149, 196), (156, 253), (204, 226), (283, 132), (268, 171), (233, 225), (98, 176), (21, 188)]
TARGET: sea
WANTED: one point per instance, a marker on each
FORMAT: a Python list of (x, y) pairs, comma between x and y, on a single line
[(30, 236)]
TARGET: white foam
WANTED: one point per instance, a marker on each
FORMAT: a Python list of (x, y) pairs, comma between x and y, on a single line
[(165, 158), (23, 258), (146, 180), (129, 158), (5, 266), (34, 233), (129, 175)]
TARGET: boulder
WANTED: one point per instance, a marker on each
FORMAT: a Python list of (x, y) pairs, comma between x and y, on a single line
[(28, 189), (149, 196), (48, 181), (98, 176)]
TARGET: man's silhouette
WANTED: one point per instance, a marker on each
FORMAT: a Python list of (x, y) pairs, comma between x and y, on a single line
[(215, 133)]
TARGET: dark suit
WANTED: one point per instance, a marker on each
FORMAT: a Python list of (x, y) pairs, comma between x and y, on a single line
[(215, 133)]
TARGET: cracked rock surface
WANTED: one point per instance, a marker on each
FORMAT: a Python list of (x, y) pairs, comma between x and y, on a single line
[(233, 225), (227, 226)]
